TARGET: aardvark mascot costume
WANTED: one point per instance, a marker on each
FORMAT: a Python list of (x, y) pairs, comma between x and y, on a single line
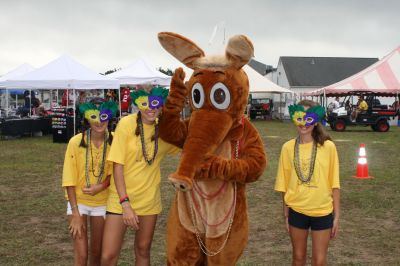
[(222, 151)]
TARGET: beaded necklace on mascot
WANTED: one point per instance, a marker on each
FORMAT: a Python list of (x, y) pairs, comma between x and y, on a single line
[(231, 210), (302, 117), (146, 101), (95, 115)]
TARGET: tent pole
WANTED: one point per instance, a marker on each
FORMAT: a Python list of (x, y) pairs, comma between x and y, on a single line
[(6, 102), (73, 91), (119, 102), (280, 106), (30, 102)]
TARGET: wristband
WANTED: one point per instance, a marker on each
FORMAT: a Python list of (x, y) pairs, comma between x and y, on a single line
[(124, 199), (74, 207)]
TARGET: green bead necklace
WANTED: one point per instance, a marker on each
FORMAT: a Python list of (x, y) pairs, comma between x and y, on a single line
[(101, 172), (296, 161), (144, 151)]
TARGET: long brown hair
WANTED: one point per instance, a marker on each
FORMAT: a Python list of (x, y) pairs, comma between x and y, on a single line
[(86, 126), (319, 134)]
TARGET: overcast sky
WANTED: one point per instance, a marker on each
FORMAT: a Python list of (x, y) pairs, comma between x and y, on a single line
[(107, 34)]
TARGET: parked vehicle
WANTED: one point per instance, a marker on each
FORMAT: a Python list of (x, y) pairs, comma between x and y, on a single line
[(377, 115), (260, 107)]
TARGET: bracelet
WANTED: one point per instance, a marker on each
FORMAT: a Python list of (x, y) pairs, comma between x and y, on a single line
[(74, 207), (124, 199)]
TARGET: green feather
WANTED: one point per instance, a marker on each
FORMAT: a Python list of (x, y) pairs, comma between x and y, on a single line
[(295, 108), (160, 91), (319, 110), (137, 94), (87, 106), (112, 106)]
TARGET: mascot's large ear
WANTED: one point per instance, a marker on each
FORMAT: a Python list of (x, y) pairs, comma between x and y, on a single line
[(239, 51), (181, 48)]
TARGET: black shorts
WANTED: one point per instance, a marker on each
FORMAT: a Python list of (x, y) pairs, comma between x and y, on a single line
[(302, 221), (113, 213)]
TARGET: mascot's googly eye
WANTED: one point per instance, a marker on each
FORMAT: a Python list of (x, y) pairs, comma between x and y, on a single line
[(198, 95), (220, 96)]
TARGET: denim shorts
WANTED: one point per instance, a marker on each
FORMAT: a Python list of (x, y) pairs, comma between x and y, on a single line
[(303, 221)]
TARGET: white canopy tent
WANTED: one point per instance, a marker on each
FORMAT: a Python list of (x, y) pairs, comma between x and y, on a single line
[(260, 84), (141, 72), (63, 73), (17, 72)]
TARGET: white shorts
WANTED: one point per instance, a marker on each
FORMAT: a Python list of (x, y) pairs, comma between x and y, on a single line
[(88, 210)]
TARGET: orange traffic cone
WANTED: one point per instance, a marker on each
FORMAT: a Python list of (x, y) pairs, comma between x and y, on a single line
[(362, 166)]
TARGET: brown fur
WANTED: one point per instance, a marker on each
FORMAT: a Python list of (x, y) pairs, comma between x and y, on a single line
[(205, 157)]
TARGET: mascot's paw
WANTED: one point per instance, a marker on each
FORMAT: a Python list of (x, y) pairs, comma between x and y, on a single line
[(180, 182), (178, 82)]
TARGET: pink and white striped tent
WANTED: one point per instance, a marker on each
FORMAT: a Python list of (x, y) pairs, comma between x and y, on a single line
[(382, 78)]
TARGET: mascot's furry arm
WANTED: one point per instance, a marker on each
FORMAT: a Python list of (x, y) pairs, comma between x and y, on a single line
[(172, 128), (248, 168)]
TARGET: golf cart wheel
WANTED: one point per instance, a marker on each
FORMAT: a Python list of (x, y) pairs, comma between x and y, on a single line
[(382, 126), (339, 125)]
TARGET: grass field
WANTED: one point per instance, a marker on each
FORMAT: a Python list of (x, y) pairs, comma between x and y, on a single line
[(33, 224)]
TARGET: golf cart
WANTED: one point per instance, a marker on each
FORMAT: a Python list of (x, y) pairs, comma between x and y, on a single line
[(377, 115)]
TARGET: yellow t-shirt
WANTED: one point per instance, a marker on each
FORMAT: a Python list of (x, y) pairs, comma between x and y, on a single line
[(74, 171), (315, 198), (142, 181), (363, 106)]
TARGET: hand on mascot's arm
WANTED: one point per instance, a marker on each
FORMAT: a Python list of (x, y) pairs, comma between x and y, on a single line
[(216, 167)]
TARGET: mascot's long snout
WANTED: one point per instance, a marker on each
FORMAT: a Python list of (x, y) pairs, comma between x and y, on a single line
[(212, 128)]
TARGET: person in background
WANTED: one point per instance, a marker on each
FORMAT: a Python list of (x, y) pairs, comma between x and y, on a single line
[(125, 100), (134, 200), (347, 106), (396, 105), (86, 177), (308, 177), (82, 97), (361, 107), (336, 103)]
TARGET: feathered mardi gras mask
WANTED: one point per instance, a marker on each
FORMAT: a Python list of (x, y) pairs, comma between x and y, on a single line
[(153, 100), (104, 112), (301, 117)]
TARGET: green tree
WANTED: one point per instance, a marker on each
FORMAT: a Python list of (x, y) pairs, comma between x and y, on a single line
[(168, 71)]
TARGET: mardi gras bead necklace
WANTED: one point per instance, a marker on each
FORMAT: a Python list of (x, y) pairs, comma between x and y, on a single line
[(144, 151), (101, 172), (296, 161)]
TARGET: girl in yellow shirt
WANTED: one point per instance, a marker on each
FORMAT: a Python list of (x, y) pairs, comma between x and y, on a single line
[(86, 177), (308, 177), (134, 198)]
